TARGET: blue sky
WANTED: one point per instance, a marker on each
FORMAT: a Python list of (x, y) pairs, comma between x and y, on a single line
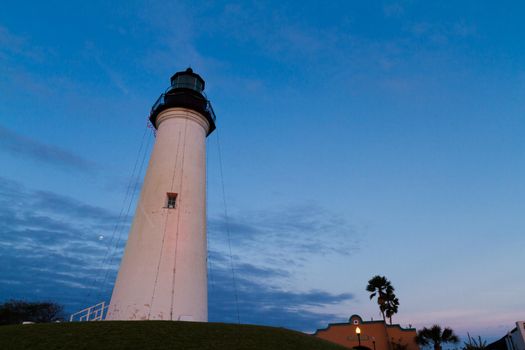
[(358, 138)]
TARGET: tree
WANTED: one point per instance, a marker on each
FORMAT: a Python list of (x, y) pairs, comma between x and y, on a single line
[(474, 344), (381, 287), (18, 311), (390, 305), (435, 336)]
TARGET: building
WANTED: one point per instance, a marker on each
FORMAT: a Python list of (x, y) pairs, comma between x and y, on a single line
[(513, 340), (369, 335), (163, 274)]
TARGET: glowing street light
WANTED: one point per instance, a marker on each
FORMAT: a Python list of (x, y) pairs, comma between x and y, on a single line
[(358, 332)]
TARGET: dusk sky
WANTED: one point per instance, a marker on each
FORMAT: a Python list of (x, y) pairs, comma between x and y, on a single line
[(357, 138)]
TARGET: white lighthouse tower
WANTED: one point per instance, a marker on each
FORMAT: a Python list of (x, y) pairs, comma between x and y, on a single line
[(163, 272)]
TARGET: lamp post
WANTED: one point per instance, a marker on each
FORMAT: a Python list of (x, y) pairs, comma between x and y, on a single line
[(358, 332)]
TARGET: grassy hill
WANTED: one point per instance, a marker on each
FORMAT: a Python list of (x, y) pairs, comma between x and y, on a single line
[(155, 335)]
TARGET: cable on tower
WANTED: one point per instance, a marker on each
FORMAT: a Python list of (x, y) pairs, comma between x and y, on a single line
[(227, 221), (208, 256), (178, 218), (104, 263), (135, 186), (166, 220)]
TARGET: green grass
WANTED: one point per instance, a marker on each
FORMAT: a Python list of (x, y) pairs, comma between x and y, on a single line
[(155, 335)]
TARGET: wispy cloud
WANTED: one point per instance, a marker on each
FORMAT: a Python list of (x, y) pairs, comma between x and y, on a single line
[(300, 229), (92, 51), (53, 247), (10, 42), (16, 45), (50, 247), (175, 46), (287, 239), (25, 147), (276, 34), (393, 10), (260, 299), (441, 33)]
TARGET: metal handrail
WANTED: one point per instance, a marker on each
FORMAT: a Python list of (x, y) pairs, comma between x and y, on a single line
[(157, 103), (210, 110), (92, 313)]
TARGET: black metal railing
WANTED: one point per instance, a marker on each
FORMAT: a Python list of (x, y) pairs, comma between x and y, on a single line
[(162, 100)]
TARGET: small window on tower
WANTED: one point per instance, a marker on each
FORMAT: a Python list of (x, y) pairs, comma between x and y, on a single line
[(172, 200)]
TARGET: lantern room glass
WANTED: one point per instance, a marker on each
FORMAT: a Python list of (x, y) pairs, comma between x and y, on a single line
[(187, 81)]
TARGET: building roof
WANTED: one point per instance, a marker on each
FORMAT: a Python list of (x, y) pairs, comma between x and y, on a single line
[(360, 321), (497, 345)]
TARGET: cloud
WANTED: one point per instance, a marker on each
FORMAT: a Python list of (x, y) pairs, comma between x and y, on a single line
[(175, 46), (72, 207), (12, 44), (50, 250), (464, 29), (95, 54), (286, 240), (442, 33), (274, 33), (10, 41), (26, 147), (50, 247), (300, 229), (393, 10), (260, 300)]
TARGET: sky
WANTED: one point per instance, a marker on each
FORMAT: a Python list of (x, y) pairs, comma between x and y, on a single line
[(357, 138)]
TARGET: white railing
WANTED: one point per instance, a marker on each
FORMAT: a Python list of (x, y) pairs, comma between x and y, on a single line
[(93, 313)]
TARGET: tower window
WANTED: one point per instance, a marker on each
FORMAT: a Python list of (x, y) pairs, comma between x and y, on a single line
[(171, 201)]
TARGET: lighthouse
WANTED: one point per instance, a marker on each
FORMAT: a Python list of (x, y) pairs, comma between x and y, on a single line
[(163, 273)]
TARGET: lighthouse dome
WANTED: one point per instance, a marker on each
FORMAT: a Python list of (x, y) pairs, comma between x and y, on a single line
[(187, 79)]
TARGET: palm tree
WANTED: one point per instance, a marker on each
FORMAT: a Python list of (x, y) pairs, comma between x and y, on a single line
[(380, 286), (435, 336), (390, 305), (472, 344)]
